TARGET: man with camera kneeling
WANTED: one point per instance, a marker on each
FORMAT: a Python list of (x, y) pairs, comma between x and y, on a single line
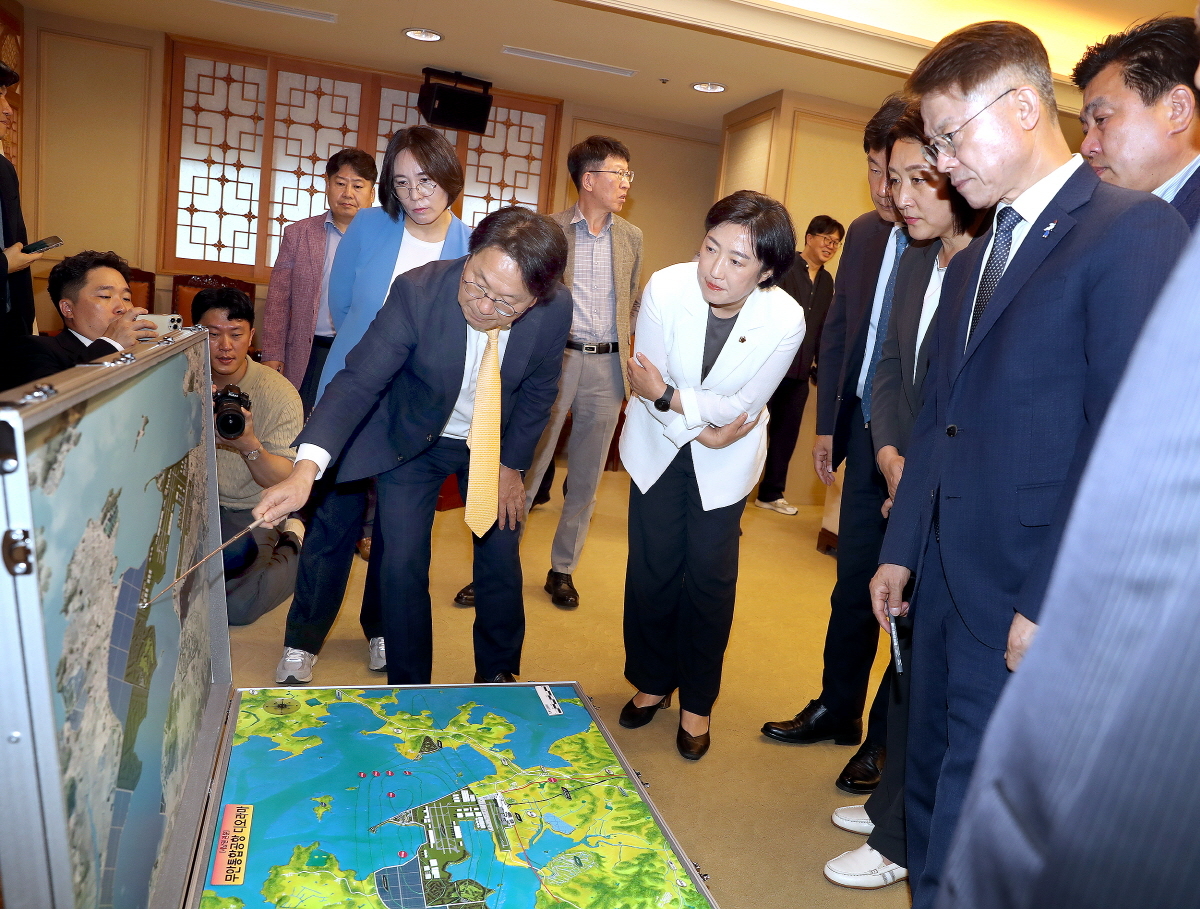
[(257, 413)]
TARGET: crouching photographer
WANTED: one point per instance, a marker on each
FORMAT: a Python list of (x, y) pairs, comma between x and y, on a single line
[(256, 414)]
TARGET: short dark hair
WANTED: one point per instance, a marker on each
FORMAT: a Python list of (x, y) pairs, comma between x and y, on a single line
[(824, 224), (972, 57), (68, 276), (533, 241), (1154, 57), (436, 157), (590, 154), (362, 163), (878, 127), (235, 304), (911, 128), (8, 75), (769, 225)]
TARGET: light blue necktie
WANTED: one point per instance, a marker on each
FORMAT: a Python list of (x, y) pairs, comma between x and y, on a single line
[(881, 327)]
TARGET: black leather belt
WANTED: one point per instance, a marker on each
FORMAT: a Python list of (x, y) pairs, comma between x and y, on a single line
[(606, 347), (323, 341)]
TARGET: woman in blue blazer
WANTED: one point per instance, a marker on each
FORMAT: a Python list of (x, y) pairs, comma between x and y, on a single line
[(420, 179)]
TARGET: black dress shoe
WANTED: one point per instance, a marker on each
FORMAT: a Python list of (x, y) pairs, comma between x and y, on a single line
[(692, 747), (562, 591), (466, 596), (814, 724), (498, 679), (861, 773), (634, 717)]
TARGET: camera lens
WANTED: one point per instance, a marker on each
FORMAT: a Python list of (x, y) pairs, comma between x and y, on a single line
[(230, 421)]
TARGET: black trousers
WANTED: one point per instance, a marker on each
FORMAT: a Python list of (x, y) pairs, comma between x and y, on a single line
[(885, 807), (312, 372), (403, 523), (334, 516), (680, 585), (787, 410), (852, 636)]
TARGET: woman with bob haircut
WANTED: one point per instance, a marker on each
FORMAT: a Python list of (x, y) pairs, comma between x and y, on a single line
[(419, 181), (714, 338)]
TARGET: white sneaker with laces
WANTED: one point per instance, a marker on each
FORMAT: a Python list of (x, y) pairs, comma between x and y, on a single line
[(376, 655), (780, 505), (296, 667), (854, 818), (863, 869)]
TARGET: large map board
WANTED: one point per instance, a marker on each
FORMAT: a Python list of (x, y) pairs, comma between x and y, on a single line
[(496, 796)]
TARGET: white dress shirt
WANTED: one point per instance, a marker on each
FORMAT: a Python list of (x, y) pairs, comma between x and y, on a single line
[(1169, 190), (885, 272)]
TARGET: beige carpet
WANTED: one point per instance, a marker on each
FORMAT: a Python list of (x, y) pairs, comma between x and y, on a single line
[(753, 814)]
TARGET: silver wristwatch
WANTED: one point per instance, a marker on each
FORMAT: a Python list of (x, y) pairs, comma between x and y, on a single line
[(252, 454)]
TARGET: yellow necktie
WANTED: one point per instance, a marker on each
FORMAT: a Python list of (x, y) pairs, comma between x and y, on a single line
[(483, 477)]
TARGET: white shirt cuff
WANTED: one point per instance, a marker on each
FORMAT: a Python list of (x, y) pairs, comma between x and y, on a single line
[(314, 453)]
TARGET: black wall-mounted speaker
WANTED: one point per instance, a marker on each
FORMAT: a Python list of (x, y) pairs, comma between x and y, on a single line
[(454, 108)]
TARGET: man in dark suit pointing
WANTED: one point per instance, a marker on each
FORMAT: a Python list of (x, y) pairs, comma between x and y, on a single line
[(1036, 321), (429, 358)]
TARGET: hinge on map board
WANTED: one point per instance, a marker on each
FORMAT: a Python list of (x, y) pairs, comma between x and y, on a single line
[(36, 395), (8, 449), (18, 558), (123, 360)]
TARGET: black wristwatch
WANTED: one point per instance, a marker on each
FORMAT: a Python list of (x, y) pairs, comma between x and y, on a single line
[(664, 403)]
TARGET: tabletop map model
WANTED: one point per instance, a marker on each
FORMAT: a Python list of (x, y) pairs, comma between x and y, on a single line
[(496, 796)]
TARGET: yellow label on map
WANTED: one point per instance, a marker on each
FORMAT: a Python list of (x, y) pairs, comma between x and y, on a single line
[(233, 842)]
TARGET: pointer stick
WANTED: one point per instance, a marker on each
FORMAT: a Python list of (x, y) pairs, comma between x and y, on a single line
[(233, 539)]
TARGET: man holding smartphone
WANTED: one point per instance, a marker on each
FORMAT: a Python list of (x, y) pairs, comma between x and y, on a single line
[(16, 294), (91, 292)]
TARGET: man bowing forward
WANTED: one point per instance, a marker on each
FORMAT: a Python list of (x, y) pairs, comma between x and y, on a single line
[(455, 376)]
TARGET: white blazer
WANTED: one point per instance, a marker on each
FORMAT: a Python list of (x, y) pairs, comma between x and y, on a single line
[(670, 333)]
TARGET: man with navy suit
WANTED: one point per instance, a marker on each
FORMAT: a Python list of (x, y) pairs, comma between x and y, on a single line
[(1036, 321), (1140, 120), (422, 357)]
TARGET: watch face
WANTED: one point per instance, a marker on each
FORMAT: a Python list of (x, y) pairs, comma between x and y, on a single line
[(662, 405)]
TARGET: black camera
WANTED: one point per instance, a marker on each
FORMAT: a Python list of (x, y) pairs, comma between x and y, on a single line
[(227, 408)]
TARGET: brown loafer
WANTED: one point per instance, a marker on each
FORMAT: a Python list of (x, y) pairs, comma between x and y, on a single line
[(634, 717), (692, 747)]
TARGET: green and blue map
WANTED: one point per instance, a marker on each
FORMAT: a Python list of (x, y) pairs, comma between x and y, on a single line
[(496, 796)]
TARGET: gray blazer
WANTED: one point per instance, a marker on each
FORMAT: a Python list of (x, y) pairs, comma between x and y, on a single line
[(896, 396)]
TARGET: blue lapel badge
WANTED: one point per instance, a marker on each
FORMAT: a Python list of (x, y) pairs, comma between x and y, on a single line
[(1049, 227)]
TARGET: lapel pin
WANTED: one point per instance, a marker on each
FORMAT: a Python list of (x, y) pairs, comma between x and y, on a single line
[(742, 340), (1049, 227)]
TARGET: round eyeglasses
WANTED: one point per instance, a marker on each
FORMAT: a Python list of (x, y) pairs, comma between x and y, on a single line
[(422, 188), (476, 292)]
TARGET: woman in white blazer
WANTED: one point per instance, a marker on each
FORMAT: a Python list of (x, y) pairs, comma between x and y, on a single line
[(714, 339)]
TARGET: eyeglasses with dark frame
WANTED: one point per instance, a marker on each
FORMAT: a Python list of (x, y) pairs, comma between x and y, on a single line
[(477, 292), (626, 175), (944, 143)]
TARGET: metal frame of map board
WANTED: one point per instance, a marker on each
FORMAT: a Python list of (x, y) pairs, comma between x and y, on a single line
[(35, 853), (199, 872)]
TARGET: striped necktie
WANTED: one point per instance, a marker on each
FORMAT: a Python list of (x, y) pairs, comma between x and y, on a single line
[(483, 477)]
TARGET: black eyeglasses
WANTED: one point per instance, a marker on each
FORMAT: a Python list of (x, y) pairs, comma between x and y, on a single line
[(944, 144)]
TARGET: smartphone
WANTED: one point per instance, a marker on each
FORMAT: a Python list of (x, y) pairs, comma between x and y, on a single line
[(42, 245), (164, 323)]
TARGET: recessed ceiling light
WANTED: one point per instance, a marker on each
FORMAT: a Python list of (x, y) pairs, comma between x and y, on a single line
[(422, 34), (710, 87)]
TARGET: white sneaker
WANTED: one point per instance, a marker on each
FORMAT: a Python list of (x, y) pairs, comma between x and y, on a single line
[(376, 655), (780, 505), (854, 818), (296, 667), (863, 869)]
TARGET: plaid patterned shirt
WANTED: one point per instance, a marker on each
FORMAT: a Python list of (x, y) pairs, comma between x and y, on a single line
[(592, 287)]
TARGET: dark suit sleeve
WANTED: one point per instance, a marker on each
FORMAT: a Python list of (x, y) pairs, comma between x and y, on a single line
[(35, 357), (822, 297), (831, 353), (886, 391), (539, 386), (1127, 276)]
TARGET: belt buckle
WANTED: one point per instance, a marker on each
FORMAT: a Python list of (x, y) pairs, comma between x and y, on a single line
[(590, 348)]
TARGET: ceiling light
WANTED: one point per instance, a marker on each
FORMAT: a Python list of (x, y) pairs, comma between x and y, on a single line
[(264, 7), (568, 61), (422, 34), (710, 87)]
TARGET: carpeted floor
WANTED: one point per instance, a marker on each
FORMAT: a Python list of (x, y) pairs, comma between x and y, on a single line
[(753, 814)]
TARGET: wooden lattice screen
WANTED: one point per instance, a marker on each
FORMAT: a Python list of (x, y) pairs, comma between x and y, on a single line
[(249, 134)]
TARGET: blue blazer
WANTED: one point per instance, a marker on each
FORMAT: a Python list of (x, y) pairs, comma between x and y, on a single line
[(412, 358), (1187, 200), (1007, 423), (362, 274)]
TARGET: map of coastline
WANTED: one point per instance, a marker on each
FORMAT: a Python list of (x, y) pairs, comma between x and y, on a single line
[(469, 797)]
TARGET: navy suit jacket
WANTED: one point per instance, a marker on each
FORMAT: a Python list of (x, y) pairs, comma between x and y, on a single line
[(38, 356), (844, 337), (1007, 423), (1187, 200), (413, 357)]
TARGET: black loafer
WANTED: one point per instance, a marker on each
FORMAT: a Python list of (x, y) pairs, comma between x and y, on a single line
[(860, 776), (692, 747), (634, 717), (499, 678), (466, 596), (814, 724), (562, 591)]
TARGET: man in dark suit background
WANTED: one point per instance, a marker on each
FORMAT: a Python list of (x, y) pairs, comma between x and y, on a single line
[(423, 357), (1139, 116), (91, 292), (810, 285), (1036, 321), (850, 345), (17, 306)]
